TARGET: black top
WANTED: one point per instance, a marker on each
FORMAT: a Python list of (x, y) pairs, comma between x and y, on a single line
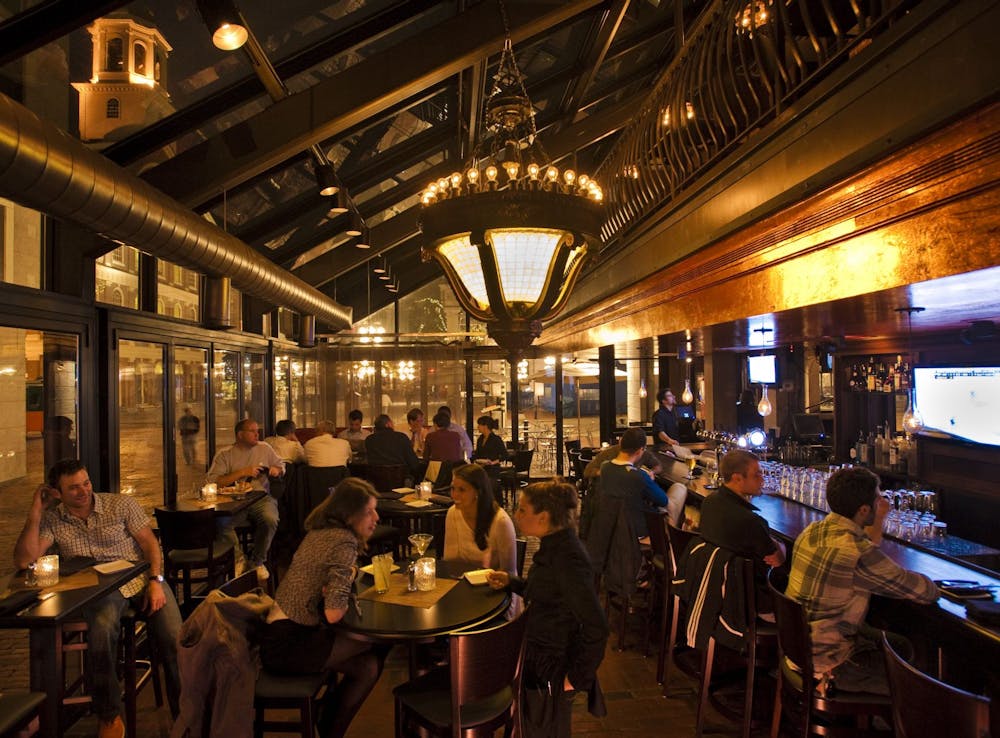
[(636, 488), (666, 421), (491, 447), (567, 630), (391, 448)]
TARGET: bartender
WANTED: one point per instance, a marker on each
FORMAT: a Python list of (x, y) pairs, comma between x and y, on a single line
[(665, 431)]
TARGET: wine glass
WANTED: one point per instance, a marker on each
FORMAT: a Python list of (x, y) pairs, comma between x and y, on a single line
[(691, 462), (420, 542)]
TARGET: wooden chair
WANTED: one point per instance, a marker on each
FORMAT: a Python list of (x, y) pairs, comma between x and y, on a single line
[(477, 690), (299, 693), (846, 714), (388, 478), (923, 707), (189, 543)]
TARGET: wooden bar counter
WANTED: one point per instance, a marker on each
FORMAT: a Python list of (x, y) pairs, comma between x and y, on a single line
[(967, 653)]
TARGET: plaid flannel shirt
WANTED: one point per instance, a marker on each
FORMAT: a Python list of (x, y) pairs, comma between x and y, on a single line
[(835, 570)]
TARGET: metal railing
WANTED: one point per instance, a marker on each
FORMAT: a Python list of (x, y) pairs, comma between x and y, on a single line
[(743, 62)]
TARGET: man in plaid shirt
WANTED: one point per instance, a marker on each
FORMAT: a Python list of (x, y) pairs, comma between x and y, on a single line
[(836, 567)]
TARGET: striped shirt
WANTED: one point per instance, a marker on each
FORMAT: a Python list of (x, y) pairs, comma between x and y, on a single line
[(107, 534), (835, 570)]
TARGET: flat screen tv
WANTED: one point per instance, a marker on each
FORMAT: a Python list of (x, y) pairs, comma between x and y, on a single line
[(762, 369), (961, 402)]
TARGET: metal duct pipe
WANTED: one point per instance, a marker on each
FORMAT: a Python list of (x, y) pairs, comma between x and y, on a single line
[(44, 168)]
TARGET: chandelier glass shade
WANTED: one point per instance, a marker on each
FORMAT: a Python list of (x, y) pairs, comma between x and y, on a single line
[(512, 232)]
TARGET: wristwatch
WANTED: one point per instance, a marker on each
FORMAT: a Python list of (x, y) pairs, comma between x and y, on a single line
[(157, 578)]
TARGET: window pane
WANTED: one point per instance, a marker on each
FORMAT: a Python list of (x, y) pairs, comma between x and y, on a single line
[(118, 278), (226, 384), (177, 292), (39, 393), (253, 388), (20, 245), (281, 388), (140, 421), (313, 401), (190, 381)]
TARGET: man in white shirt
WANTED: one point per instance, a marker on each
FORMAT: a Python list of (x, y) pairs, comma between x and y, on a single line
[(355, 435), (285, 443), (325, 450)]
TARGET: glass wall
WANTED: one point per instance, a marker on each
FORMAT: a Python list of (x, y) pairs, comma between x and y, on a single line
[(39, 398), (254, 389), (140, 421), (308, 413), (190, 382), (177, 293), (282, 388), (117, 278), (226, 400), (20, 250)]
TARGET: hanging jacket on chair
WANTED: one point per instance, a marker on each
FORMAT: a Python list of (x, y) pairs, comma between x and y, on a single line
[(218, 666), (711, 581)]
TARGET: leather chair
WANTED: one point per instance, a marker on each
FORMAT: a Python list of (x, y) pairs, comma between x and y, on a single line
[(923, 707), (477, 690), (840, 714), (280, 692), (190, 543), (319, 480)]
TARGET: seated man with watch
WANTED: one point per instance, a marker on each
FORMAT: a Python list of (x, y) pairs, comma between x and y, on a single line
[(106, 527)]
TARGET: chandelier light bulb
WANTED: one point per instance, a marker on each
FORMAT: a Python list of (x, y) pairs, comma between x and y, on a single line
[(511, 168), (689, 110), (456, 180), (552, 174), (687, 396), (912, 420), (472, 175), (533, 170), (764, 406), (491, 173), (569, 176)]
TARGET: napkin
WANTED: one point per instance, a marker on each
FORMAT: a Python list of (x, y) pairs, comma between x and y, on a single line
[(477, 576), (419, 503)]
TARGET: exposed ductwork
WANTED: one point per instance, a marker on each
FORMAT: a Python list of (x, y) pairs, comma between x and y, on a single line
[(44, 168)]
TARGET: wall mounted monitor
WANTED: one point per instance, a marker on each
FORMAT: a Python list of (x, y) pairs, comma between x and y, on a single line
[(762, 369), (960, 402)]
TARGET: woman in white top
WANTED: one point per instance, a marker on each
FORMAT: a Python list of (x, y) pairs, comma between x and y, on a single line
[(477, 531)]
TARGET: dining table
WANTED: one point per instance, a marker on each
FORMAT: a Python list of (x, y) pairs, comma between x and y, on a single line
[(383, 619), (227, 502), (44, 621)]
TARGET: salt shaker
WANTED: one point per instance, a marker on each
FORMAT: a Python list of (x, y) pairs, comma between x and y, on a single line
[(411, 577)]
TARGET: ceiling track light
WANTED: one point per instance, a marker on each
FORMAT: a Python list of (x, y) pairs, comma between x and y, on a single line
[(341, 203), (386, 276), (326, 178), (364, 240), (380, 266), (225, 22), (393, 286), (355, 224)]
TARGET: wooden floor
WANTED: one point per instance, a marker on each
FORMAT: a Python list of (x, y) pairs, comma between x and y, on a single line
[(635, 707)]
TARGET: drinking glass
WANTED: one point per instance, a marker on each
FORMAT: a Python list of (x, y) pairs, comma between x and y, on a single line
[(381, 568), (692, 463), (420, 542)]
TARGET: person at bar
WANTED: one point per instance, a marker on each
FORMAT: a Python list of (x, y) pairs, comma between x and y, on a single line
[(106, 527), (388, 447), (355, 435), (463, 437), (665, 431), (285, 443), (566, 630), (314, 594), (417, 431), (249, 459), (836, 567), (730, 521), (621, 477)]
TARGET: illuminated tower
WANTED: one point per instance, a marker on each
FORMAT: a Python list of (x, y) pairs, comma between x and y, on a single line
[(127, 86)]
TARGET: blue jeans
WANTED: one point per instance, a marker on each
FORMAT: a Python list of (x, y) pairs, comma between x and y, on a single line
[(263, 514), (104, 629)]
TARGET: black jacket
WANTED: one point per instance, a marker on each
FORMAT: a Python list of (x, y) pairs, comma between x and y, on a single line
[(567, 630), (712, 582), (391, 448)]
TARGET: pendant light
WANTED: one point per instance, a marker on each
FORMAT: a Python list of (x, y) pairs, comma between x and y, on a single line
[(764, 406), (687, 396), (912, 420)]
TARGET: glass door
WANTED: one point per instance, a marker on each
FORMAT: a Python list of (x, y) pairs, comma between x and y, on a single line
[(226, 391), (141, 395), (190, 374)]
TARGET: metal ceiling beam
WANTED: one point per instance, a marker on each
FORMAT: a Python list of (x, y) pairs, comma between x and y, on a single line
[(592, 58), (46, 22), (162, 132), (402, 230), (356, 94)]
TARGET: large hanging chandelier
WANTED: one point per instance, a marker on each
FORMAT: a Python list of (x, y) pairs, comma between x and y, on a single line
[(512, 232)]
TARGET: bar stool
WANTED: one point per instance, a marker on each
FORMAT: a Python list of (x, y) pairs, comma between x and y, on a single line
[(923, 707)]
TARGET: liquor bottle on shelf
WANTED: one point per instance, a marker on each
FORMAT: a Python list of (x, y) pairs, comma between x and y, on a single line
[(870, 379)]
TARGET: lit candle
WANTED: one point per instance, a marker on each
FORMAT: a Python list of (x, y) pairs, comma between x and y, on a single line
[(426, 574), (210, 492), (426, 489), (47, 571)]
